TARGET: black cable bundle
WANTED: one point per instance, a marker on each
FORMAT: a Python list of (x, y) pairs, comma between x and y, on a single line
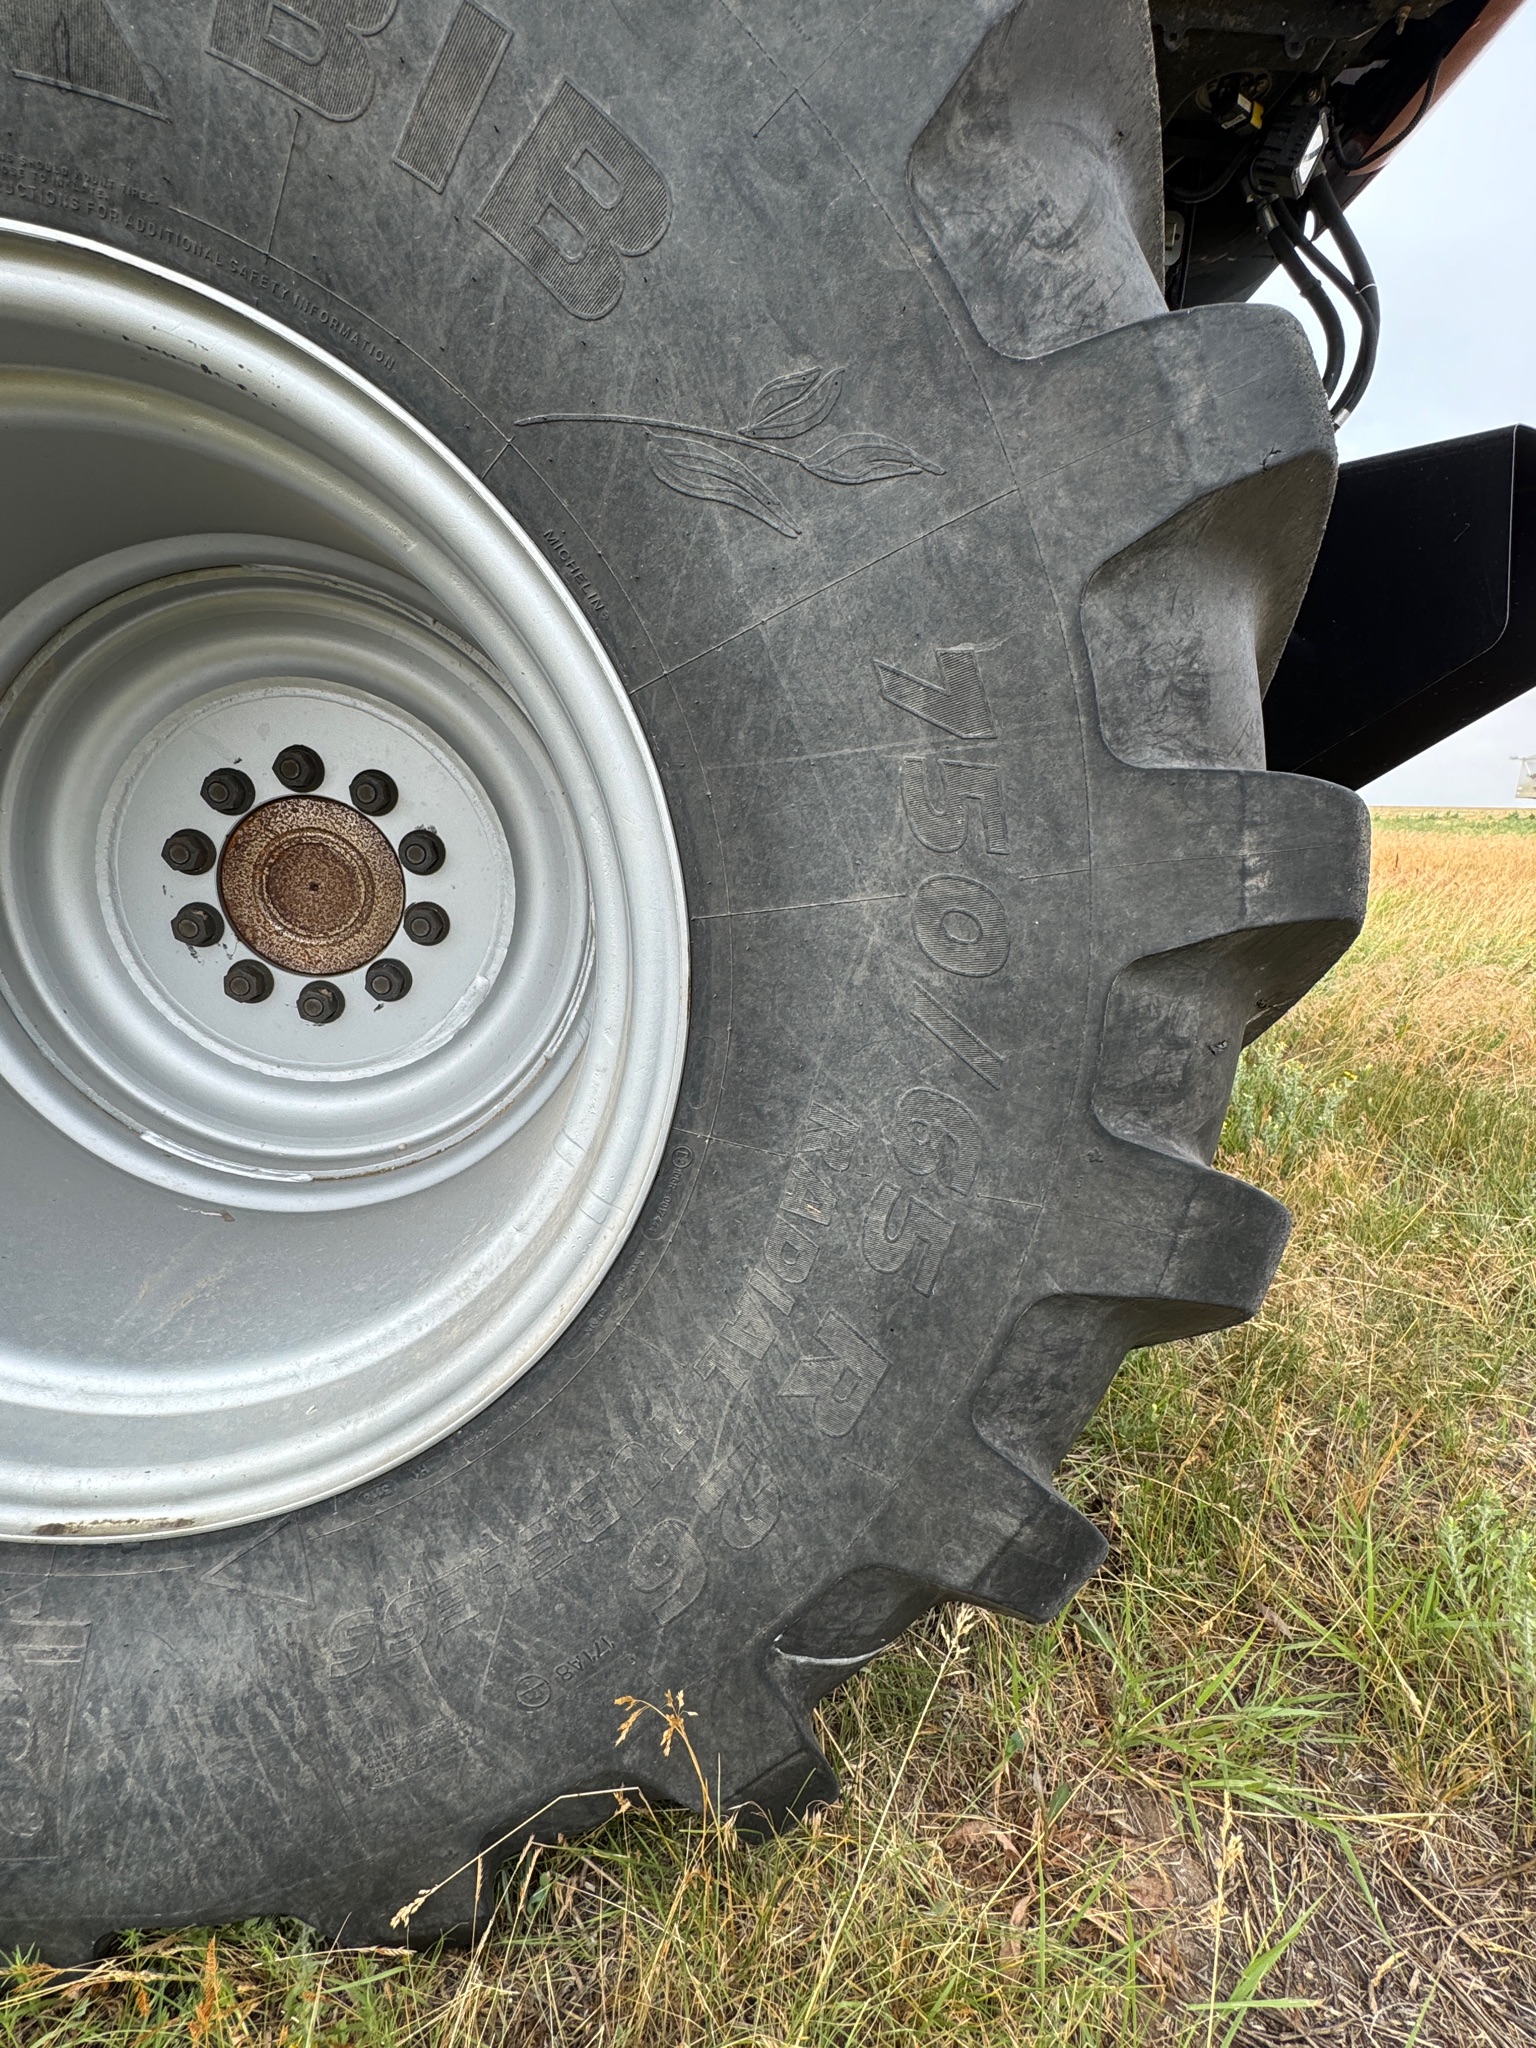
[(1309, 268)]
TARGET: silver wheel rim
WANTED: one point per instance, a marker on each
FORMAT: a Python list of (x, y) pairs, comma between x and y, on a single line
[(266, 1244)]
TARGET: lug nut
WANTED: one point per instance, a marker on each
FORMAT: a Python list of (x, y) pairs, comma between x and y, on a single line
[(321, 1002), (248, 982), (189, 851), (373, 792), (198, 924), (229, 790), (299, 768), (388, 980), (421, 853), (426, 924)]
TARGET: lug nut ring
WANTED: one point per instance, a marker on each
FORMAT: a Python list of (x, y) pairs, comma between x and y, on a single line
[(229, 790), (388, 980), (321, 1002), (189, 851), (299, 769), (421, 853), (374, 793), (425, 924), (248, 981), (198, 924)]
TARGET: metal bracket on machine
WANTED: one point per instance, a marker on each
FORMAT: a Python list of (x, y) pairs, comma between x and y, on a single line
[(1421, 613)]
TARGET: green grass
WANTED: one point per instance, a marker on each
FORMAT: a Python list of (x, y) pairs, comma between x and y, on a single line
[(1423, 818), (1271, 1778)]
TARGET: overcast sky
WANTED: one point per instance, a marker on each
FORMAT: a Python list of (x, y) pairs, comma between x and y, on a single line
[(1450, 230)]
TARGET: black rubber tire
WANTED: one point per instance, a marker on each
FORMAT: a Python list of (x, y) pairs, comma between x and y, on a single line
[(951, 662)]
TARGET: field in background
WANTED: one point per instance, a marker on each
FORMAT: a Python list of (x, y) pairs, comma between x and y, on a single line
[(1273, 1776)]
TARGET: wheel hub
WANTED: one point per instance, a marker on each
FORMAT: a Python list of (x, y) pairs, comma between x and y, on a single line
[(311, 885), (162, 703)]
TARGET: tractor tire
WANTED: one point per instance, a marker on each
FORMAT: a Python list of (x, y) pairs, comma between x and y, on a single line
[(822, 366)]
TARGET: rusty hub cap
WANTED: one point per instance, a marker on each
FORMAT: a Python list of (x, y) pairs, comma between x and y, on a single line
[(311, 885)]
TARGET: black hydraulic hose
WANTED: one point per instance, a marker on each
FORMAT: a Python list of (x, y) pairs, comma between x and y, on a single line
[(1383, 150), (1364, 309), (1285, 254), (1319, 260), (1324, 202), (1218, 184)]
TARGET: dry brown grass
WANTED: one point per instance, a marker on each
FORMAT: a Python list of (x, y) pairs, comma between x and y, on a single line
[(1449, 974), (1273, 1777)]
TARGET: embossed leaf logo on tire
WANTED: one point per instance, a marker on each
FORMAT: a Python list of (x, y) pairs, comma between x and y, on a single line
[(693, 460), (787, 406), (697, 470)]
